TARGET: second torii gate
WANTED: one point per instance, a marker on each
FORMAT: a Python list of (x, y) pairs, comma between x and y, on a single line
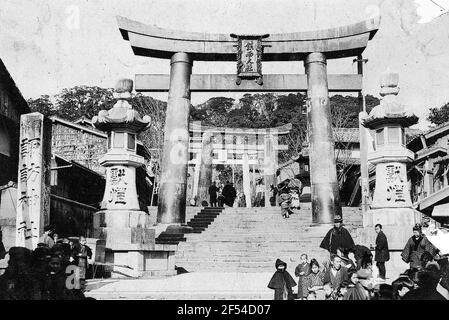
[(312, 47), (247, 147)]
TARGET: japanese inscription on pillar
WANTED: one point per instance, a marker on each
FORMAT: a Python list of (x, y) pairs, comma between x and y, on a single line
[(395, 183), (117, 194), (33, 192), (249, 57)]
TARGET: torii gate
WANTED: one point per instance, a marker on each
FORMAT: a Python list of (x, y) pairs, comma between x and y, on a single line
[(235, 146), (312, 47)]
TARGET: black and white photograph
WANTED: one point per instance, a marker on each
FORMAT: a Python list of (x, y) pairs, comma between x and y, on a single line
[(242, 151)]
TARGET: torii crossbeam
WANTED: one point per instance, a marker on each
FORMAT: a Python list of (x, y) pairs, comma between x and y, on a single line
[(312, 47)]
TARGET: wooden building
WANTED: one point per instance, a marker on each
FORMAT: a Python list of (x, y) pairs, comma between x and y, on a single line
[(81, 143), (429, 175), (12, 105), (347, 155)]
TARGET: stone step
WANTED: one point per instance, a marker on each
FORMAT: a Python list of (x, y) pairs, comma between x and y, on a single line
[(250, 240)]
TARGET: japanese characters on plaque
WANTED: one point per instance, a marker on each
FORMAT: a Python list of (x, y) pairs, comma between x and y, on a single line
[(118, 185), (395, 183), (249, 57), (33, 192)]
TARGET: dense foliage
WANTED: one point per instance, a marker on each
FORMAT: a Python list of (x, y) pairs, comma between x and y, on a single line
[(439, 115), (250, 111)]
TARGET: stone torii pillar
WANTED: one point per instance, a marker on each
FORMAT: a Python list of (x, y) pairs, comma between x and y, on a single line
[(205, 168), (246, 179), (323, 174), (173, 184)]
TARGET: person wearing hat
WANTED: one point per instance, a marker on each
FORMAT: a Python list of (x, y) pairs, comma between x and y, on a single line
[(46, 238), (416, 246), (337, 237)]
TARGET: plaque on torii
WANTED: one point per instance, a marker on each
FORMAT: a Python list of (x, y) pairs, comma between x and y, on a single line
[(249, 57)]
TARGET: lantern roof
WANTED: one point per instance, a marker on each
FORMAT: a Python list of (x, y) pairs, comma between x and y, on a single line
[(390, 111), (121, 116)]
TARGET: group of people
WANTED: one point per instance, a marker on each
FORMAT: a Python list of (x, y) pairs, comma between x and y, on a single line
[(222, 195), (348, 274), (44, 273)]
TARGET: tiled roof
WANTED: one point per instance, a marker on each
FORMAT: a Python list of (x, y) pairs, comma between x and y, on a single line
[(346, 134), (352, 134)]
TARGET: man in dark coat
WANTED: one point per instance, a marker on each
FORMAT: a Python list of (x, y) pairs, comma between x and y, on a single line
[(381, 251), (415, 247), (213, 190), (337, 237), (282, 282), (229, 194)]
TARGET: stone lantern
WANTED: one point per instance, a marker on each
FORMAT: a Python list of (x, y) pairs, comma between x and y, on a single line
[(129, 234), (122, 124), (391, 205)]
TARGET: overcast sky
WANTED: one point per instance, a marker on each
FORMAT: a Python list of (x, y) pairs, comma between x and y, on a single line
[(50, 45)]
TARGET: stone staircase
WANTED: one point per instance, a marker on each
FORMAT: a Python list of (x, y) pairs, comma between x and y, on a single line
[(250, 240), (199, 223)]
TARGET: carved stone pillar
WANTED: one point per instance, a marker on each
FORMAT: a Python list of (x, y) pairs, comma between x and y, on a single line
[(246, 180), (33, 187), (173, 184), (323, 175), (205, 168)]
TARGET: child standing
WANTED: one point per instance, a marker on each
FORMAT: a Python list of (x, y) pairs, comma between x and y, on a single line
[(302, 270), (282, 282)]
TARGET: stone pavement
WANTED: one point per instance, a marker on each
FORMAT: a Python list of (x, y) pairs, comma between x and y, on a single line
[(189, 286)]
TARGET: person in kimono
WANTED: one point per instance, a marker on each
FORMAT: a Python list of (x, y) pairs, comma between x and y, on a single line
[(337, 237), (415, 247), (285, 201), (302, 270), (81, 254), (282, 282), (355, 289), (294, 199), (336, 273), (314, 281)]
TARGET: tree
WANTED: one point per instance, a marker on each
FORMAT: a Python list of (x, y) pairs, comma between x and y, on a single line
[(214, 112), (42, 105), (439, 115), (83, 101), (153, 137)]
